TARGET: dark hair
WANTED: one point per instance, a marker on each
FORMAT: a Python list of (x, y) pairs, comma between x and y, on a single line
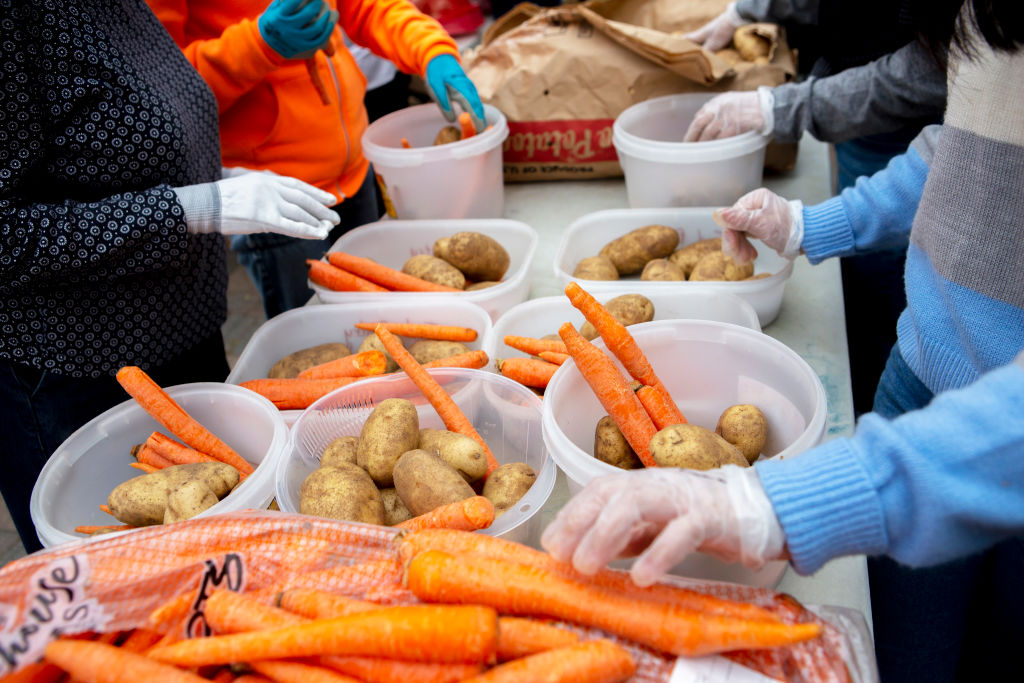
[(942, 27)]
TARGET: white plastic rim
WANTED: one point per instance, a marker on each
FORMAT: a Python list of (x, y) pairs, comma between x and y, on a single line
[(382, 139)]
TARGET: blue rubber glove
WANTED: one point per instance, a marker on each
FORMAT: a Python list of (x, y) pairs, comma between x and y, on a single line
[(445, 78), (296, 29)]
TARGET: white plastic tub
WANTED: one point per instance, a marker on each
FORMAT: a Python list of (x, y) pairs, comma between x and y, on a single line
[(457, 180), (707, 367), (506, 414), (84, 469), (662, 170), (586, 235), (301, 328), (393, 242)]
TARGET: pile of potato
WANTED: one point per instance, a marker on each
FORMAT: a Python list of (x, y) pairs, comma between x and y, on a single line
[(466, 260), (653, 252), (394, 471), (172, 494)]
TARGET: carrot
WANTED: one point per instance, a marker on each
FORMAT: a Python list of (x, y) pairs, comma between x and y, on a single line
[(318, 82), (39, 672), (519, 637), (147, 455), (659, 406), (91, 529), (594, 661), (172, 610), (425, 331), (429, 633), (470, 359), (298, 672), (338, 279), (554, 357), (230, 612), (362, 364), (174, 452), (383, 275), (454, 419), (527, 371), (317, 604), (93, 662), (223, 676), (105, 508), (253, 678), (168, 413), (377, 670), (466, 126), (613, 391), (470, 514), (534, 346), (405, 143), (296, 393), (148, 469), (140, 639)]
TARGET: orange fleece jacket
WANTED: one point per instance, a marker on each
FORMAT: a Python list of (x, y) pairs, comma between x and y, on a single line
[(271, 115)]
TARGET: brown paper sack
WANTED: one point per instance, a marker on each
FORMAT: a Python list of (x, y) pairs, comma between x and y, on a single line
[(562, 75)]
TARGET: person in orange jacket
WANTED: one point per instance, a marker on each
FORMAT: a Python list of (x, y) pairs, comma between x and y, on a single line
[(290, 101)]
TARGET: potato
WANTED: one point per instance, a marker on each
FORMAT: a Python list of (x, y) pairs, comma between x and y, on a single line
[(294, 363), (344, 491), (692, 446), (687, 257), (628, 309), (426, 350), (745, 427), (142, 500), (464, 454), (478, 256), (732, 57), (447, 134), (631, 252), (433, 269), (610, 446), (342, 449), (424, 481), (662, 269), (716, 265), (395, 511), (507, 484), (481, 285), (188, 500), (750, 44), (391, 429), (373, 343), (596, 268)]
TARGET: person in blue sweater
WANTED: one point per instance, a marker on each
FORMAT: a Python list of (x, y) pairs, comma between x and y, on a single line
[(931, 484)]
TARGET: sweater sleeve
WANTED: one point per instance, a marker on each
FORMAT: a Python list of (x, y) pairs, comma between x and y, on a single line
[(927, 487), (777, 11), (396, 30)]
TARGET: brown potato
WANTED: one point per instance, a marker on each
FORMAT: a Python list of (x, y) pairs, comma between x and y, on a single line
[(426, 350), (391, 429), (631, 252), (732, 57), (694, 447), (294, 363), (395, 511), (345, 491), (342, 449), (745, 427), (373, 343), (628, 309), (596, 268), (188, 500), (481, 285), (687, 257), (507, 484), (424, 481), (717, 266), (447, 134), (478, 256), (610, 446), (751, 45), (433, 269), (662, 269), (142, 500), (464, 454)]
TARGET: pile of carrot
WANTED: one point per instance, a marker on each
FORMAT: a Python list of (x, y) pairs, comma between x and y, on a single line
[(350, 273)]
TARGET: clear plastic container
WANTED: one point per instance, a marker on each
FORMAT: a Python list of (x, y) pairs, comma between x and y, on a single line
[(84, 469), (457, 180), (506, 414), (586, 235), (661, 170), (301, 328), (707, 366), (393, 242)]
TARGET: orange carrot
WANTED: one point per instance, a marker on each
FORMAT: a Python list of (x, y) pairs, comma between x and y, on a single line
[(317, 604), (175, 452), (425, 331), (518, 589), (527, 371), (230, 612), (147, 455), (39, 672), (520, 637), (377, 670), (223, 676), (91, 529), (554, 357), (297, 672), (613, 391), (454, 419), (93, 662), (253, 678), (140, 640), (383, 275), (660, 406), (534, 346), (104, 508), (338, 279), (470, 514), (318, 81), (168, 413), (594, 661), (172, 610), (295, 393), (470, 359), (405, 144), (148, 469), (362, 364), (429, 633), (466, 126)]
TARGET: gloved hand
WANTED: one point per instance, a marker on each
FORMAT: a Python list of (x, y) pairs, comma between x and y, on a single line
[(258, 202), (296, 29), (717, 33), (667, 513), (446, 79), (733, 113), (768, 217)]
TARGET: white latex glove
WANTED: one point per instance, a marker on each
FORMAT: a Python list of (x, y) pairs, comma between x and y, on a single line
[(733, 113), (777, 222), (667, 513), (717, 33), (256, 201)]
